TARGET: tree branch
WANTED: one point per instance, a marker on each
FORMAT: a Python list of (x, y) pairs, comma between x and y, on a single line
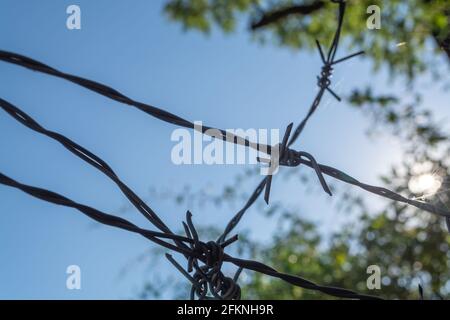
[(442, 42), (276, 15)]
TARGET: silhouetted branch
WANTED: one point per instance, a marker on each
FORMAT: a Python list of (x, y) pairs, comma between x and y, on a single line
[(278, 14)]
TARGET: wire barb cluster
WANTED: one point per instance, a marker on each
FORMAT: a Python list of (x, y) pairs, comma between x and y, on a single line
[(209, 276), (204, 259), (328, 61), (289, 158)]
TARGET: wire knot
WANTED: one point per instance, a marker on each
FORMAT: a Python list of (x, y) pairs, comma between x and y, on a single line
[(290, 158), (324, 80), (206, 261), (282, 155), (214, 281), (212, 253)]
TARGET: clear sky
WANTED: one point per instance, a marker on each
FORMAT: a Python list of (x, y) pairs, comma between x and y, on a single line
[(225, 81)]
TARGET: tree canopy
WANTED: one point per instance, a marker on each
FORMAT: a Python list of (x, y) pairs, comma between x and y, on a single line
[(420, 26)]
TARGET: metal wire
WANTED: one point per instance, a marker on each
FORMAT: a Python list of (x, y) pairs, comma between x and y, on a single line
[(208, 277), (209, 253), (204, 260)]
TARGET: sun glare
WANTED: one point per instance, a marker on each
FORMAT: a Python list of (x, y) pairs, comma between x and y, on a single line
[(425, 184)]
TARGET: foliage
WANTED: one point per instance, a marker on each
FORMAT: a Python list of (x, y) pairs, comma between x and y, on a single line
[(407, 256), (410, 30)]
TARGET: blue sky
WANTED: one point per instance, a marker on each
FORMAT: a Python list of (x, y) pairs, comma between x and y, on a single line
[(225, 81)]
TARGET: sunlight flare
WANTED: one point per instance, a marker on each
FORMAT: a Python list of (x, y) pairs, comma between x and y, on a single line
[(426, 184)]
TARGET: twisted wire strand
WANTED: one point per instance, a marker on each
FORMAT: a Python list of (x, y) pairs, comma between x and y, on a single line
[(157, 237), (104, 90), (101, 217), (383, 192), (89, 158), (298, 281)]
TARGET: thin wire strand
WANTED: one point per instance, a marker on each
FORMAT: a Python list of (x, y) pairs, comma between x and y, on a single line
[(89, 158), (113, 94), (154, 236)]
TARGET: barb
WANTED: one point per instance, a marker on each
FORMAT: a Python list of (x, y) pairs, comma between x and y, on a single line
[(421, 292), (274, 160), (208, 278), (324, 80), (287, 157), (281, 155)]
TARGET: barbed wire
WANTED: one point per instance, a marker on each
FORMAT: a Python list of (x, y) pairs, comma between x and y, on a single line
[(204, 259), (210, 253)]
